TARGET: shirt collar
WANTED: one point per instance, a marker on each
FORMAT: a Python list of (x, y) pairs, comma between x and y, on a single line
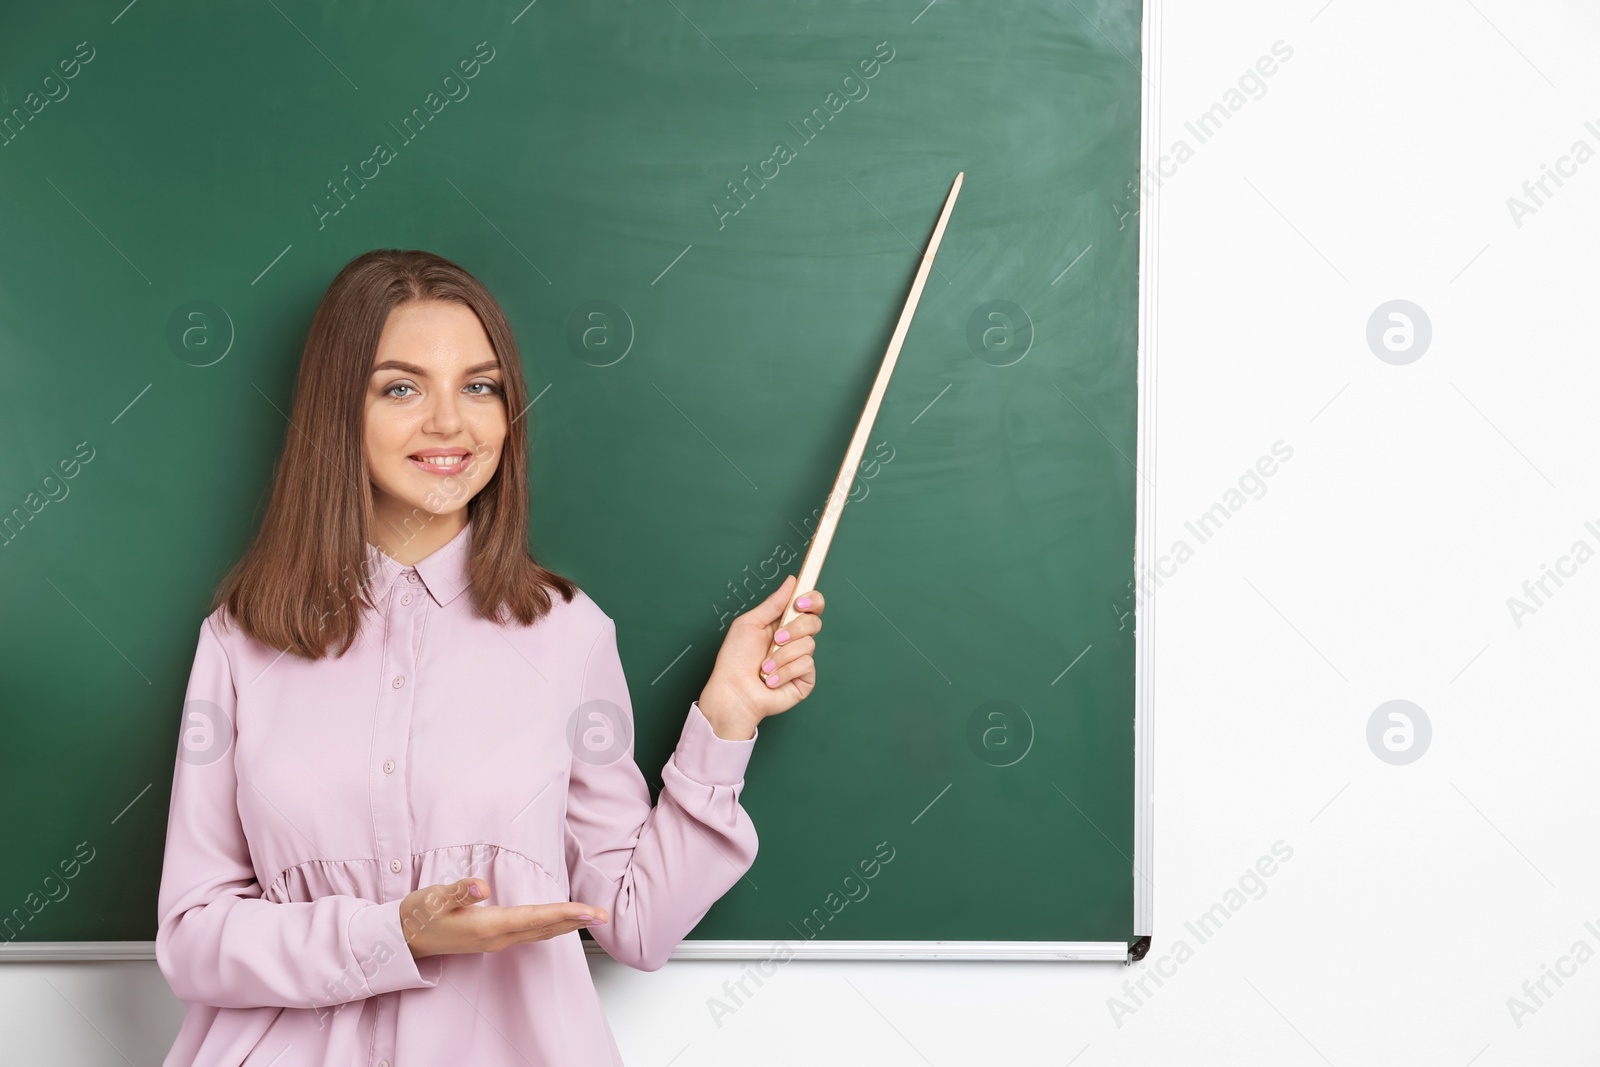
[(444, 572)]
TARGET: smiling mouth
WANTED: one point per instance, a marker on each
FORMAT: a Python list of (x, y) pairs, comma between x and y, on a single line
[(451, 463)]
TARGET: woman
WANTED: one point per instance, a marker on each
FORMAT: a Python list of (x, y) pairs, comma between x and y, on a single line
[(406, 773)]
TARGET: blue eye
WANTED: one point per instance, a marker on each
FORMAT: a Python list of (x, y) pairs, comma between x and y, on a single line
[(492, 388)]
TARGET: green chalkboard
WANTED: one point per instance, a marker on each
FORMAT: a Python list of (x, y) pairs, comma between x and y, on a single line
[(702, 217)]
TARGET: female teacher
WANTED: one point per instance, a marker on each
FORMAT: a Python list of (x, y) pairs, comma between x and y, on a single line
[(405, 777)]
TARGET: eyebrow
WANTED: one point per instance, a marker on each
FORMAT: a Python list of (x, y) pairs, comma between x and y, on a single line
[(412, 368)]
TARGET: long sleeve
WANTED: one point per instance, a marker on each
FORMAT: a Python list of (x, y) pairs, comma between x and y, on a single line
[(218, 941), (657, 870)]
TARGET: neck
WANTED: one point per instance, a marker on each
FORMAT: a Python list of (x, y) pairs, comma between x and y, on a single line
[(418, 536)]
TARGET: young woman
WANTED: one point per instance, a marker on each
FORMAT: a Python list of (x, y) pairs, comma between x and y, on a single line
[(406, 775)]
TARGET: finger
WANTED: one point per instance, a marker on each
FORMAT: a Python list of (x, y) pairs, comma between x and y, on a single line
[(803, 646), (788, 672), (771, 609), (462, 892), (537, 922), (447, 896), (546, 932), (564, 910), (802, 625), (524, 920), (814, 602)]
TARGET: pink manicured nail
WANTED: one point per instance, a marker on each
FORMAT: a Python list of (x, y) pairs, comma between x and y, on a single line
[(782, 636), (769, 666), (587, 918), (772, 680), (475, 891), (803, 603)]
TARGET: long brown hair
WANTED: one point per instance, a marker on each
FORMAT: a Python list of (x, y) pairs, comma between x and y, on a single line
[(301, 584)]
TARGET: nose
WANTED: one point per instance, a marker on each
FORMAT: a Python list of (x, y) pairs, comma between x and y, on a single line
[(444, 417)]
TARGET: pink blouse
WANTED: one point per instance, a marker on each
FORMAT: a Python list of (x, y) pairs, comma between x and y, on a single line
[(308, 798)]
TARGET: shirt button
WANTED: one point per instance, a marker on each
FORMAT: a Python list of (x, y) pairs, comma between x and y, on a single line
[(411, 576), (383, 1063), (406, 599), (388, 766), (399, 680), (394, 865)]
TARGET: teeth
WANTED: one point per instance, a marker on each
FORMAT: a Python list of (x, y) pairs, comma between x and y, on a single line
[(442, 461)]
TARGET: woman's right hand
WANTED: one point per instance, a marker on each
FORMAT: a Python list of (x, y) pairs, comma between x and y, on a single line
[(445, 918)]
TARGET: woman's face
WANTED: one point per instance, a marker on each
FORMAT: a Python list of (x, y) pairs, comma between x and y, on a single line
[(436, 391)]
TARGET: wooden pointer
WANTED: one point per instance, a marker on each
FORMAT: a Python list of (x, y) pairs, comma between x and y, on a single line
[(811, 567)]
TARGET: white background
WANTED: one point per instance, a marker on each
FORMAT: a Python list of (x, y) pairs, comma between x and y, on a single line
[(1377, 566)]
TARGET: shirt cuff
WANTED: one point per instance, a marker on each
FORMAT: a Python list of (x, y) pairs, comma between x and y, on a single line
[(379, 944), (704, 757)]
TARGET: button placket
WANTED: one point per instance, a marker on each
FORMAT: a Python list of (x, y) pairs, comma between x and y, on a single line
[(390, 816)]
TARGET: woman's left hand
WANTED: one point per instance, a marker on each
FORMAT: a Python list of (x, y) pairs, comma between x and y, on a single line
[(738, 694)]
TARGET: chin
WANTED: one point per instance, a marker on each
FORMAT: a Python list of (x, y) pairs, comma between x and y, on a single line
[(425, 504)]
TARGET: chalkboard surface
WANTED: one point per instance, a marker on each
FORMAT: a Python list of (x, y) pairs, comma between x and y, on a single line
[(702, 217)]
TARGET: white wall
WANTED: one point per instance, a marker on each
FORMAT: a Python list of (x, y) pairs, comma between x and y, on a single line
[(1376, 566)]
